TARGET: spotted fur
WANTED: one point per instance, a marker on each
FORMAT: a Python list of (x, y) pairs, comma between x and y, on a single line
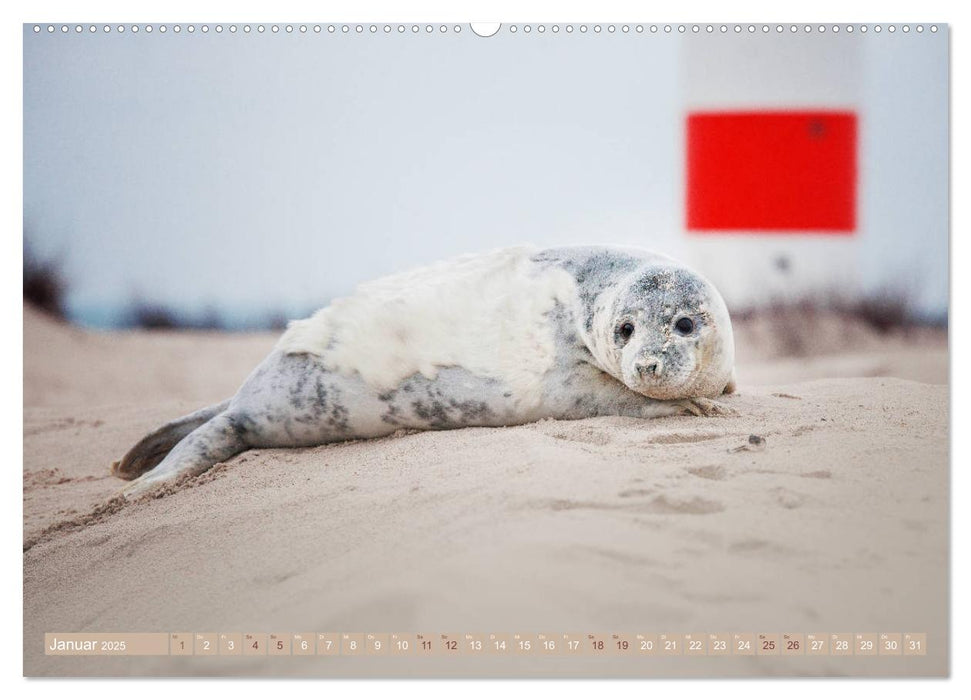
[(503, 338)]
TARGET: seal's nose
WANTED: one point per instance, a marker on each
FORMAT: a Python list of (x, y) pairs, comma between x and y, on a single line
[(649, 368)]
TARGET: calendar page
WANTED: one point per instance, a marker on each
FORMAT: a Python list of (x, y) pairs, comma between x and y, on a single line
[(543, 350)]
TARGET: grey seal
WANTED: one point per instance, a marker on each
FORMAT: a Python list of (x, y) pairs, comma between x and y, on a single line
[(501, 338)]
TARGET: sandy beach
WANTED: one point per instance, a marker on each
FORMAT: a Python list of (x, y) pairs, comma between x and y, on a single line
[(836, 522)]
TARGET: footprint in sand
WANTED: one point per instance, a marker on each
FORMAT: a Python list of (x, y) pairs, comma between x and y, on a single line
[(633, 493), (585, 435), (54, 477), (662, 505), (676, 438), (62, 424), (788, 499), (821, 474), (756, 547), (712, 471)]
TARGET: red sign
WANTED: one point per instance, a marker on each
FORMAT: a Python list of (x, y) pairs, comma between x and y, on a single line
[(779, 172)]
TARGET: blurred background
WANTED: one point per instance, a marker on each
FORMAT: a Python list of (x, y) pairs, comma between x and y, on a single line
[(235, 180)]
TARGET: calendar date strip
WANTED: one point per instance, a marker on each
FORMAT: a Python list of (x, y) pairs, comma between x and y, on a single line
[(539, 644)]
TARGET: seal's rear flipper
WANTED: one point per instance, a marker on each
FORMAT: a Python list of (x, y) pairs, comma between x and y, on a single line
[(214, 441), (153, 448)]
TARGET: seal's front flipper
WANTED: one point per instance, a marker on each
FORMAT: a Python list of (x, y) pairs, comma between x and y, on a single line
[(215, 441), (153, 448), (701, 406)]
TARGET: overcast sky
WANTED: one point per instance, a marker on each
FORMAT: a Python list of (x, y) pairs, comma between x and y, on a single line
[(275, 171)]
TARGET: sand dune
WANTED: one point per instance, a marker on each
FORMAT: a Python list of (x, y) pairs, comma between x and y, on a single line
[(837, 522)]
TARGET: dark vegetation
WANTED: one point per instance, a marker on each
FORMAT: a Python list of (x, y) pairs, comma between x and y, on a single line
[(44, 283), (795, 322), (883, 314), (46, 286), (801, 325), (160, 317), (153, 316)]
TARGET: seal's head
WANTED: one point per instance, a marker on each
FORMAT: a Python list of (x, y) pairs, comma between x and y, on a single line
[(664, 331)]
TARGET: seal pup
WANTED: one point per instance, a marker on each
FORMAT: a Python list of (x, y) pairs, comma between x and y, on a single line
[(501, 338)]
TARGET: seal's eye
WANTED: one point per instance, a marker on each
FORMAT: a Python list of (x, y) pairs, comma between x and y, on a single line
[(684, 325), (626, 330)]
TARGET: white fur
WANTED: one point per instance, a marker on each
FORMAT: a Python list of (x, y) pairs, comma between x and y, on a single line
[(484, 313)]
